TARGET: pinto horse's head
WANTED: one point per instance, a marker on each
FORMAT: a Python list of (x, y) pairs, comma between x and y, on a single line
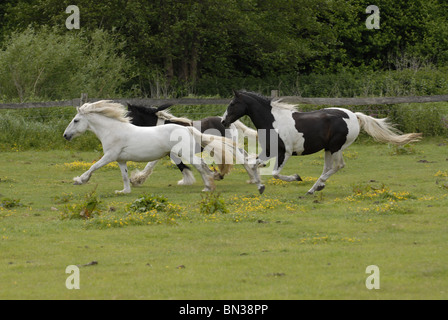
[(235, 110), (145, 116)]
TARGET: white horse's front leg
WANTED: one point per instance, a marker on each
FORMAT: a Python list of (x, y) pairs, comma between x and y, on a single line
[(124, 175), (84, 178)]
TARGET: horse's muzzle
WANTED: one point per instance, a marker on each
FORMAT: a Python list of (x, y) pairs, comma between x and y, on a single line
[(67, 137)]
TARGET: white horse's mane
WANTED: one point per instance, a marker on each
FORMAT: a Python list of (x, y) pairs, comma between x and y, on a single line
[(165, 115), (106, 108), (283, 105)]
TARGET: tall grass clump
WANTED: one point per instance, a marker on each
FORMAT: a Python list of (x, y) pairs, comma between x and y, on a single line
[(40, 129)]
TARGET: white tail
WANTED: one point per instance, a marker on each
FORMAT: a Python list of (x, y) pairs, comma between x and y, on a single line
[(383, 131), (222, 149)]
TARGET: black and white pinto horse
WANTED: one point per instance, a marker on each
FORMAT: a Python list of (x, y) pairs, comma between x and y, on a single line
[(288, 132), (148, 116)]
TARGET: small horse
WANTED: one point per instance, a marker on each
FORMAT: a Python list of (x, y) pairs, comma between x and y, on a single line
[(289, 132), (124, 142), (147, 116)]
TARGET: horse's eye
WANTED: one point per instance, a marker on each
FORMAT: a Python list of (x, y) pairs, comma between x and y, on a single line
[(76, 121)]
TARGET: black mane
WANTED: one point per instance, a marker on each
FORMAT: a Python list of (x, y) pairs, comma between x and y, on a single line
[(148, 109), (254, 95)]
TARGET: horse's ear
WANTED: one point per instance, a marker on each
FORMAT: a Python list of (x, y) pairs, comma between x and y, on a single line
[(164, 106), (236, 94)]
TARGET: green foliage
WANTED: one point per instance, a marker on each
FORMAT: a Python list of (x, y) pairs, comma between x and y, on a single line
[(429, 118), (86, 209), (7, 203), (175, 45), (40, 128), (43, 64), (145, 210), (212, 203), (148, 203)]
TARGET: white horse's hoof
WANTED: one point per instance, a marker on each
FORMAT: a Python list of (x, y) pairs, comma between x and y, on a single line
[(77, 181), (122, 191), (138, 178), (184, 183)]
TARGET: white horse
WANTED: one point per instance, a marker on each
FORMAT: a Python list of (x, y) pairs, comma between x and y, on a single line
[(124, 142)]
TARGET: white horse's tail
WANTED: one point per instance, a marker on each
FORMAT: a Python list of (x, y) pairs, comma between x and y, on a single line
[(383, 131), (221, 148), (245, 129)]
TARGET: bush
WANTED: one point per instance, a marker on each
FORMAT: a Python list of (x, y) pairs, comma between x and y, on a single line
[(146, 210), (212, 203), (47, 65), (149, 202), (429, 118), (86, 209), (7, 203)]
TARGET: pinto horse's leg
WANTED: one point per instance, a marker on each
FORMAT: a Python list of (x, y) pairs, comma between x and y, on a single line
[(333, 163), (84, 178), (188, 178), (124, 175), (280, 163), (139, 177)]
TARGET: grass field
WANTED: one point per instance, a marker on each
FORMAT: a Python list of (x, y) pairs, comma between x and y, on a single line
[(387, 207)]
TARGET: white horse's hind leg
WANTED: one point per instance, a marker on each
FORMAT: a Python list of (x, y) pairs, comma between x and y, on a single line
[(139, 177), (333, 163), (124, 175)]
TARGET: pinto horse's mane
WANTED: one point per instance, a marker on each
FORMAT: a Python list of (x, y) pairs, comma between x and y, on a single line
[(106, 108), (277, 103)]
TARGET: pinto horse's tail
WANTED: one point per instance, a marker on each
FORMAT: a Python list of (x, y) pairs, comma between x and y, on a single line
[(221, 148), (382, 131)]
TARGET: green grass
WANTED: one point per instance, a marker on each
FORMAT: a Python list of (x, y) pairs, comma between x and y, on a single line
[(386, 208)]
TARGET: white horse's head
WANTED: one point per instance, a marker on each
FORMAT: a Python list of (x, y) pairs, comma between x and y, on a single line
[(77, 126)]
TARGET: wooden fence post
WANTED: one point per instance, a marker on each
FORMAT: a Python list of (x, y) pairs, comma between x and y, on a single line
[(83, 99)]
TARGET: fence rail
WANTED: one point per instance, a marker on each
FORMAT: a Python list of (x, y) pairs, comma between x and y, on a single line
[(364, 101), (212, 101)]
